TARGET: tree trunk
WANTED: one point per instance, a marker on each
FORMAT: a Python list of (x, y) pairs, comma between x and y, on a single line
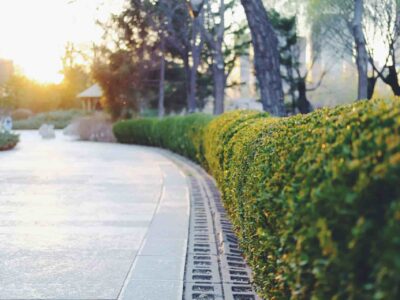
[(266, 57), (219, 84), (303, 104), (216, 40), (187, 81), (161, 109), (219, 64), (392, 80), (196, 48), (371, 86), (292, 87), (192, 90), (361, 50)]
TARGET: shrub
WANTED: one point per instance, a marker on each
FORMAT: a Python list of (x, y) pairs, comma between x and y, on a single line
[(8, 141), (136, 131), (219, 132), (96, 128), (315, 199), (60, 119), (21, 114), (181, 134)]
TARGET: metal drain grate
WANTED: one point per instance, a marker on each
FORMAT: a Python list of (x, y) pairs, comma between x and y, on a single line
[(215, 268), (202, 277)]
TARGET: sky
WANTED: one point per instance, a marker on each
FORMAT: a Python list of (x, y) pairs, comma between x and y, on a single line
[(33, 33)]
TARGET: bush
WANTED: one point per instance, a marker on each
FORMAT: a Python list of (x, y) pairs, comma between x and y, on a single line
[(315, 199), (96, 128), (8, 141), (60, 119), (21, 114), (181, 134)]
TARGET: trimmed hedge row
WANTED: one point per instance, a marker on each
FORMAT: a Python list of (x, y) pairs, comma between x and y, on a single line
[(8, 141), (315, 199), (181, 134)]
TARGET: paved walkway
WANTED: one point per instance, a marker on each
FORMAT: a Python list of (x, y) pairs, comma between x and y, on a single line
[(81, 220)]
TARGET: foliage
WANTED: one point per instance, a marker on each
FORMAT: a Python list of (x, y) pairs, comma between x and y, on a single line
[(223, 130), (115, 72), (8, 141), (129, 72), (291, 48), (96, 128), (315, 198), (181, 134), (60, 119), (76, 77), (21, 92)]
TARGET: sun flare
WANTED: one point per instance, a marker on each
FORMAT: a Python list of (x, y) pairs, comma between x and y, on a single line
[(33, 34)]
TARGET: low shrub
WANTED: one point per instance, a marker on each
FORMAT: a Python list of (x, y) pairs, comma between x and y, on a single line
[(96, 128), (181, 134), (314, 199), (60, 119), (21, 114), (8, 140)]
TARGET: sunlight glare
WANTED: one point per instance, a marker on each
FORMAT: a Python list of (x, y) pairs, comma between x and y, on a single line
[(34, 33)]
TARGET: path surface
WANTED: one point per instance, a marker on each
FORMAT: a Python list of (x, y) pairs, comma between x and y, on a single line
[(81, 220)]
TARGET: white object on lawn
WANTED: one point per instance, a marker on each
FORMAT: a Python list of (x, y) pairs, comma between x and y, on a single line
[(6, 124), (46, 131)]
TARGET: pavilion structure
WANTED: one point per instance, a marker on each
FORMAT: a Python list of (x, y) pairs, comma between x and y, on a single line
[(91, 98)]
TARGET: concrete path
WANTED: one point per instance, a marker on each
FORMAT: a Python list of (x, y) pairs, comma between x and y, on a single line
[(82, 220)]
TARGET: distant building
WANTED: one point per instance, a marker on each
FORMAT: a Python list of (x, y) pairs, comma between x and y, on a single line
[(91, 98), (6, 70)]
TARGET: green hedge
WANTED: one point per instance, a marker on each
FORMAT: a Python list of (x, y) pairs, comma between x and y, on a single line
[(8, 141), (315, 199), (181, 134)]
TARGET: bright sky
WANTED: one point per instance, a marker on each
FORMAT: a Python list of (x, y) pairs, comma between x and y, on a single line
[(33, 33)]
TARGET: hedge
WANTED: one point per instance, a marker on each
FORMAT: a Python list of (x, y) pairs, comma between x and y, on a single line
[(8, 141), (181, 134), (315, 199)]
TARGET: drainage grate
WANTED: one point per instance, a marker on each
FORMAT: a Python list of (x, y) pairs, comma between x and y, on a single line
[(202, 276), (215, 268)]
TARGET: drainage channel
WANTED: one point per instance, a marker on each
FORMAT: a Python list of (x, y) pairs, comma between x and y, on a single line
[(215, 268)]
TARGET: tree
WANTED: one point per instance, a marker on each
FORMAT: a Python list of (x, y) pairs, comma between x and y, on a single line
[(197, 45), (214, 36), (344, 28), (293, 71), (222, 45), (266, 57), (76, 76), (384, 17), (161, 86), (118, 76), (168, 25)]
